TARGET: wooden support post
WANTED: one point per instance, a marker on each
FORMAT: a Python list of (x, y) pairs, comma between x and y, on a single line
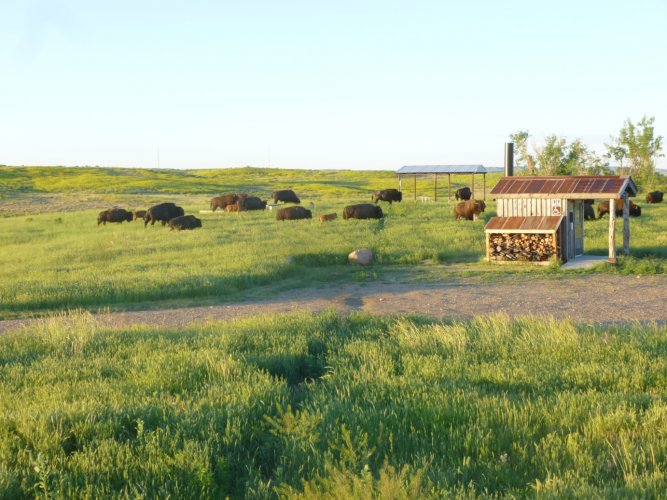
[(626, 225), (399, 183), (488, 250), (435, 189), (612, 231), (415, 187), (449, 187), (472, 189), (484, 186)]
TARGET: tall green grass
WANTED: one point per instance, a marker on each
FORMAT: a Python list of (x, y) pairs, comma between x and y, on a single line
[(333, 406)]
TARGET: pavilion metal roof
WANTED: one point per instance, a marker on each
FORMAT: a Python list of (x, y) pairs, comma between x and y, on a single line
[(571, 187), (534, 224), (442, 169)]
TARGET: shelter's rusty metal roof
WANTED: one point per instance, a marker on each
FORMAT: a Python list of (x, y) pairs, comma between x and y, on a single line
[(539, 224), (442, 169), (572, 187)]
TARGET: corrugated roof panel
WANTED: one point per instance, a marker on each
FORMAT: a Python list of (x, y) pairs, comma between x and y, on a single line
[(610, 186), (442, 169), (536, 224)]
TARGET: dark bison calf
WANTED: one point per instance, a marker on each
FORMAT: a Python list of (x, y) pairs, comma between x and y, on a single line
[(286, 196), (603, 208), (293, 213), (184, 222), (138, 214), (225, 200), (654, 197), (113, 215), (362, 211), (463, 193), (469, 209), (387, 195), (250, 203), (162, 212)]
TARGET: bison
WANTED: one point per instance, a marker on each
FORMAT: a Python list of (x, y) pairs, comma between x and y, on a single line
[(184, 222), (654, 197), (328, 217), (463, 193), (589, 211), (138, 214), (362, 211), (224, 200), (469, 209), (603, 208), (293, 213), (250, 203), (232, 208), (286, 196), (162, 212), (387, 195), (114, 215)]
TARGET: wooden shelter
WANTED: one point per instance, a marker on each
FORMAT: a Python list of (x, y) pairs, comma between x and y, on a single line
[(542, 218), (448, 170)]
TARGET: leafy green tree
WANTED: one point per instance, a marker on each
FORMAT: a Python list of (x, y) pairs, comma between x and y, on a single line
[(640, 146), (523, 157)]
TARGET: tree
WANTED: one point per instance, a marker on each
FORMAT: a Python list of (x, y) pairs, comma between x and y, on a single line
[(640, 146), (520, 140)]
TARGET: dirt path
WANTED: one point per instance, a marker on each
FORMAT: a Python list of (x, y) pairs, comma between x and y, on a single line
[(589, 299)]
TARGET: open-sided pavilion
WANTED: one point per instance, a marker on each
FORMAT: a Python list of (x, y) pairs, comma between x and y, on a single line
[(448, 170)]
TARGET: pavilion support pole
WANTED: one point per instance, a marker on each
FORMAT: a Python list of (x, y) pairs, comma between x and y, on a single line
[(484, 186), (473, 187), (612, 231), (435, 189), (626, 225), (399, 182), (415, 187), (449, 187)]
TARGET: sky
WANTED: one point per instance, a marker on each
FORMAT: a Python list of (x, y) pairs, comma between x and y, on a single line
[(320, 84)]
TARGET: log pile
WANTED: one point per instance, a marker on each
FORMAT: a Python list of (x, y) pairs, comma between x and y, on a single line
[(521, 247)]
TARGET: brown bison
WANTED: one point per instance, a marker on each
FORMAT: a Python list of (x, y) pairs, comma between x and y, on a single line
[(362, 211), (114, 215), (589, 211), (224, 200), (184, 222), (286, 196), (250, 203), (328, 217), (232, 208), (138, 214), (654, 197), (387, 195), (293, 213), (162, 212), (603, 208), (469, 209), (463, 193)]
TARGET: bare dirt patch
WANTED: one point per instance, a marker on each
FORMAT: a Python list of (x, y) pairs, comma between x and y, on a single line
[(588, 299)]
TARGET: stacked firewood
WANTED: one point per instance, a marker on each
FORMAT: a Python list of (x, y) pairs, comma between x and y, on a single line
[(521, 247)]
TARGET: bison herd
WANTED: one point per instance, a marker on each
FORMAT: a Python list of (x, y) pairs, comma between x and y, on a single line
[(467, 209)]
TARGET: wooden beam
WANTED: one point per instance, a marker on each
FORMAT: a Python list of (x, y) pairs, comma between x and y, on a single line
[(626, 225), (435, 189), (612, 231), (415, 187), (449, 187), (472, 189), (484, 186)]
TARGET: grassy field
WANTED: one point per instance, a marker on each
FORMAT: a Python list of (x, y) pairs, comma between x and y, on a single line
[(53, 260), (335, 407)]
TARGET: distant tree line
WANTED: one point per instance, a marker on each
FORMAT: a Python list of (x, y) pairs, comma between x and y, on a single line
[(634, 150)]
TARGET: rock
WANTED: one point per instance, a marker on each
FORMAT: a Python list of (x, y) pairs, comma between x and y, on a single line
[(363, 256), (290, 260)]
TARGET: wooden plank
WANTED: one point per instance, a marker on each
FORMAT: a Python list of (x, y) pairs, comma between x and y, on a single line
[(612, 231), (626, 225)]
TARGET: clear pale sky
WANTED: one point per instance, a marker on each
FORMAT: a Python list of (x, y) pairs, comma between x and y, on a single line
[(320, 84)]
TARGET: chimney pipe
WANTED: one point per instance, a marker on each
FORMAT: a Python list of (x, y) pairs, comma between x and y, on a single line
[(509, 159)]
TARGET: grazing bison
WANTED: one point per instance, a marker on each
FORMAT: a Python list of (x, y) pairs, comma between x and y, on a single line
[(184, 222), (603, 208), (250, 203), (286, 196), (232, 208), (654, 197), (293, 213), (114, 215), (469, 209), (138, 214), (162, 212), (463, 193), (362, 211), (328, 217), (589, 211), (225, 200), (387, 195)]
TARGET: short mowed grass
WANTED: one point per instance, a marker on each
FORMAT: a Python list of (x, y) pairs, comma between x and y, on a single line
[(333, 406)]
